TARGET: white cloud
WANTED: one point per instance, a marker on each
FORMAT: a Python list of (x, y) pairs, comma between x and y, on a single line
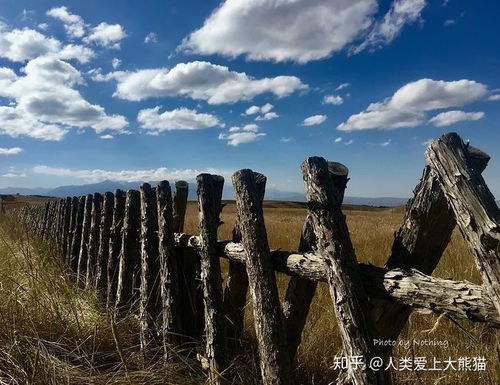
[(408, 106), (115, 63), (342, 86), (314, 120), (384, 144), (286, 140), (349, 142), (451, 117), (201, 81), (20, 45), (178, 119), (99, 175), (151, 37), (402, 12), (252, 110), (43, 26), (10, 151), (44, 103), (239, 135), (107, 137), (73, 24), (333, 99), (338, 140), (106, 35), (281, 30), (268, 116), (494, 97), (12, 174)]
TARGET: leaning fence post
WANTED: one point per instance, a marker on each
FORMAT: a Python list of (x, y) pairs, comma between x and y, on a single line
[(130, 255), (300, 292), (169, 270), (77, 235), (209, 202), (274, 359), (476, 211), (115, 245), (344, 277), (150, 300), (93, 240), (103, 253), (66, 226), (84, 246)]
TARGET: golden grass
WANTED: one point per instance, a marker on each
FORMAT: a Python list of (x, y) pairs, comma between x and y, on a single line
[(54, 333)]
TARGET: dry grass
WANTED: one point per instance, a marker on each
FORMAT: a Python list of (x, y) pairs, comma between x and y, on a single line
[(53, 333)]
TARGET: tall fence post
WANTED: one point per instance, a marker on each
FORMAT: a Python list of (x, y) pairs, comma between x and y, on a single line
[(76, 241), (84, 246), (66, 226), (150, 299), (115, 246), (170, 289), (130, 255), (476, 211), (101, 280), (93, 240), (209, 201), (344, 277), (274, 359)]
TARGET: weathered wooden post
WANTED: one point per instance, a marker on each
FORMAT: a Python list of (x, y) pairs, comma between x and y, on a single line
[(300, 292), (72, 229), (115, 245), (66, 226), (130, 255), (476, 211), (101, 280), (209, 203), (344, 277), (274, 359), (420, 242), (84, 246), (169, 270), (94, 234), (180, 204), (77, 235), (150, 299)]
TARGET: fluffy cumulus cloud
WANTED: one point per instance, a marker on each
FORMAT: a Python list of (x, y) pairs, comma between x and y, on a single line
[(384, 31), (21, 45), (314, 120), (151, 37), (282, 30), (45, 104), (106, 35), (239, 135), (264, 112), (99, 175), (178, 119), (73, 24), (198, 80), (10, 151), (451, 117), (333, 99), (408, 107)]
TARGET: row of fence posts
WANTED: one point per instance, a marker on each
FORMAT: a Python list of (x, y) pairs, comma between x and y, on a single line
[(129, 246)]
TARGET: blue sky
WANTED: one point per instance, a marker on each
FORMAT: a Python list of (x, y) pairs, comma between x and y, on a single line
[(135, 90)]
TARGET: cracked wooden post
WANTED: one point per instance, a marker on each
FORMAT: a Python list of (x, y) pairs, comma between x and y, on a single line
[(94, 235), (209, 203), (169, 270), (76, 242), (476, 211), (101, 280), (333, 242), (420, 242), (274, 359), (300, 292), (71, 230), (84, 245), (180, 204), (235, 292), (130, 255), (68, 204), (115, 246), (150, 299)]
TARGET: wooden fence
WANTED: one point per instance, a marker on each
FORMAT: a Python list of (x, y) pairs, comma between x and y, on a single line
[(131, 248)]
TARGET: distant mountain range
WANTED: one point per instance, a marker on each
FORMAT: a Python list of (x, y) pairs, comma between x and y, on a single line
[(108, 185)]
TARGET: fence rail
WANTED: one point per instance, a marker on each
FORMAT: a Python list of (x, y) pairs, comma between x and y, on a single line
[(131, 248)]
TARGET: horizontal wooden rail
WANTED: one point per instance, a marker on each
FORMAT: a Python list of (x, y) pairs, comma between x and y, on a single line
[(459, 299)]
